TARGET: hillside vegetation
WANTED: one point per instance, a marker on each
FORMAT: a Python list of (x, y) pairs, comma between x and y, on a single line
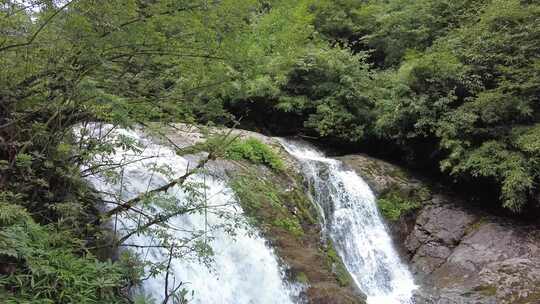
[(448, 85)]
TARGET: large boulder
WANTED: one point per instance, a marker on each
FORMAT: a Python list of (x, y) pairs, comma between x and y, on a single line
[(458, 253)]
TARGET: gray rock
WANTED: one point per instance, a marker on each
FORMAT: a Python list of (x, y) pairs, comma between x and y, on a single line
[(379, 175)]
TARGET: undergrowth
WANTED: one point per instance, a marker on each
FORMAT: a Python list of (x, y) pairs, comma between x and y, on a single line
[(44, 264), (393, 205), (254, 150)]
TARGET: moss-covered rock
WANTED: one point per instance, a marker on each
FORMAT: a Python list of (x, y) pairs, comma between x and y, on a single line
[(337, 266), (281, 209), (276, 202), (381, 176), (267, 203)]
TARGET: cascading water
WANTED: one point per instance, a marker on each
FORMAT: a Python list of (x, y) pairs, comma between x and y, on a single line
[(244, 269), (352, 221)]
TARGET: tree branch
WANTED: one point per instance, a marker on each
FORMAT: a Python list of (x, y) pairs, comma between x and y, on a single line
[(144, 18), (40, 28), (167, 273), (127, 205), (92, 170)]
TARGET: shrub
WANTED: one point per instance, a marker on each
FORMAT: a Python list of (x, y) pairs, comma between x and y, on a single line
[(255, 151), (393, 205), (44, 266)]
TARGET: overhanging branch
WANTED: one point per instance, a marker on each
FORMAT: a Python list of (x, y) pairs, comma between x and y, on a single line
[(178, 181)]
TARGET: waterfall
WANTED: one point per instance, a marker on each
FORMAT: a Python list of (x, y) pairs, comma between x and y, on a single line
[(243, 270), (352, 221)]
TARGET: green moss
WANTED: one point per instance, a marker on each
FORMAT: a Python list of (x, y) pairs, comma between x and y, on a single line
[(254, 150), (254, 192), (476, 225), (269, 204), (281, 206), (533, 297), (336, 264), (290, 224), (394, 204), (301, 202), (487, 290), (422, 193), (398, 173), (301, 278)]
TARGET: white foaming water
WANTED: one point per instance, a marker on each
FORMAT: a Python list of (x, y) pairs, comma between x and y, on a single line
[(244, 271), (352, 221)]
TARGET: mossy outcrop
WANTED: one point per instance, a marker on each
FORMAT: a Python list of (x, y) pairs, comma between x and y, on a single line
[(275, 200)]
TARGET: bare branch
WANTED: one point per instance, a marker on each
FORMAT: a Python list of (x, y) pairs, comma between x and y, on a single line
[(167, 273), (92, 170)]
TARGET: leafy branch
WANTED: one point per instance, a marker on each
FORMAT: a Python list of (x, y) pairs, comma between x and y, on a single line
[(40, 28)]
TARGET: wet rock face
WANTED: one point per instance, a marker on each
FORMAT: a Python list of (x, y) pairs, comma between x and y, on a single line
[(438, 229), (469, 257), (460, 254), (379, 175), (305, 257)]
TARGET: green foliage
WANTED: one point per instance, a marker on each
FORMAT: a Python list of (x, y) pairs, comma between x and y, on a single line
[(509, 168), (416, 96), (481, 134), (338, 20), (458, 88), (255, 151), (393, 205), (451, 83), (390, 28), (68, 64), (434, 80), (329, 86), (46, 267)]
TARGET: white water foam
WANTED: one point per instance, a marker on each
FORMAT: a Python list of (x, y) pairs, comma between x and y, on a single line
[(353, 222), (245, 270)]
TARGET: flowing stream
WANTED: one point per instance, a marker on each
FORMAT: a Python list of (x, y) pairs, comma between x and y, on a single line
[(352, 221), (244, 269)]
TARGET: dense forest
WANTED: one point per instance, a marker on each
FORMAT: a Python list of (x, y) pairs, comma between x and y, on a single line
[(451, 86)]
